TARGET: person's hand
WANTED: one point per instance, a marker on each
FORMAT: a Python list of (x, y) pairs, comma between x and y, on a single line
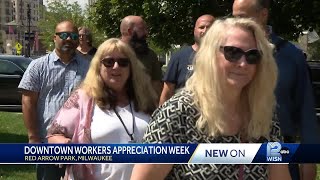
[(67, 140), (308, 171), (58, 139)]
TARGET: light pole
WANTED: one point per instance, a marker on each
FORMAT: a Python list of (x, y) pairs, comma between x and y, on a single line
[(29, 24)]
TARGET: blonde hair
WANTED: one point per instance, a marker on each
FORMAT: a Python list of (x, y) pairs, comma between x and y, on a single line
[(205, 83), (139, 85)]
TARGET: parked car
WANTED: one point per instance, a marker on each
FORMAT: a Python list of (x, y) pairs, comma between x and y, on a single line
[(12, 69)]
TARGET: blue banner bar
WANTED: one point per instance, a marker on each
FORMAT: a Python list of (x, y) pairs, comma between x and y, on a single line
[(96, 153), (221, 153)]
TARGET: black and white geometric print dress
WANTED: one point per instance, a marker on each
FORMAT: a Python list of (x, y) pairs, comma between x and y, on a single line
[(175, 122)]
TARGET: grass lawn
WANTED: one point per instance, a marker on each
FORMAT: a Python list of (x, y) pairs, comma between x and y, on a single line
[(12, 130)]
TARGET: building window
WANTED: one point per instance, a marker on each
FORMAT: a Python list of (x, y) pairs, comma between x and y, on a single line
[(7, 11)]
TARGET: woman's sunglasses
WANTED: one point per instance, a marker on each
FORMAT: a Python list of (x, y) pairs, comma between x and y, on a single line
[(109, 62), (65, 35), (234, 54)]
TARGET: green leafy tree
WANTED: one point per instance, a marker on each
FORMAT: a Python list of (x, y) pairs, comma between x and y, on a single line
[(171, 21), (107, 14), (314, 51), (290, 17), (98, 35), (56, 12)]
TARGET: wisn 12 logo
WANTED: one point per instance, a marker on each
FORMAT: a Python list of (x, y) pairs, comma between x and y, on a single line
[(275, 152)]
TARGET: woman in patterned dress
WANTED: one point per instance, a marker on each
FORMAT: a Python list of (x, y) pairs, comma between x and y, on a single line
[(228, 99)]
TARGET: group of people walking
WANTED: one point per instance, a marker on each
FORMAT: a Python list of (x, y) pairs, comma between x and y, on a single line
[(230, 86)]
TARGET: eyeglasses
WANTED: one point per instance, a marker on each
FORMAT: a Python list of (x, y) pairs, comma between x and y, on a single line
[(65, 35), (109, 62), (234, 54)]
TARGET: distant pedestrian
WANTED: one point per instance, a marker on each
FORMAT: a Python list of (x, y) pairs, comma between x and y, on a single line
[(47, 84), (85, 47), (134, 32)]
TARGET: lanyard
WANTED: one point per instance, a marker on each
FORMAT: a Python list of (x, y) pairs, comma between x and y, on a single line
[(132, 140)]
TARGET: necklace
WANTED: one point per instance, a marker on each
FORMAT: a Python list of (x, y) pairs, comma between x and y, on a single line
[(131, 135)]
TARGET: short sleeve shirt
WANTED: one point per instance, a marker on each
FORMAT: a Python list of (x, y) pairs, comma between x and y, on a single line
[(175, 122), (180, 67), (54, 81)]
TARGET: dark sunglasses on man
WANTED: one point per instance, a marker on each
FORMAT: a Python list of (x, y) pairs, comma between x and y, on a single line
[(109, 62), (234, 54), (65, 35)]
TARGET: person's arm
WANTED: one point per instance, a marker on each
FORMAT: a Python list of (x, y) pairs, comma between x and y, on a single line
[(308, 171), (170, 78), (161, 122), (30, 86), (304, 104), (156, 75), (29, 109), (157, 86), (279, 171), (61, 129), (167, 92), (308, 122), (58, 139), (150, 171)]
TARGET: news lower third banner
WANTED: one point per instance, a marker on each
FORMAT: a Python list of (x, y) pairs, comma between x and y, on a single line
[(267, 153)]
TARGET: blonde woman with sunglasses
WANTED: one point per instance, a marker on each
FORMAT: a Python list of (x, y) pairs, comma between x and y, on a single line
[(228, 99), (113, 105)]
